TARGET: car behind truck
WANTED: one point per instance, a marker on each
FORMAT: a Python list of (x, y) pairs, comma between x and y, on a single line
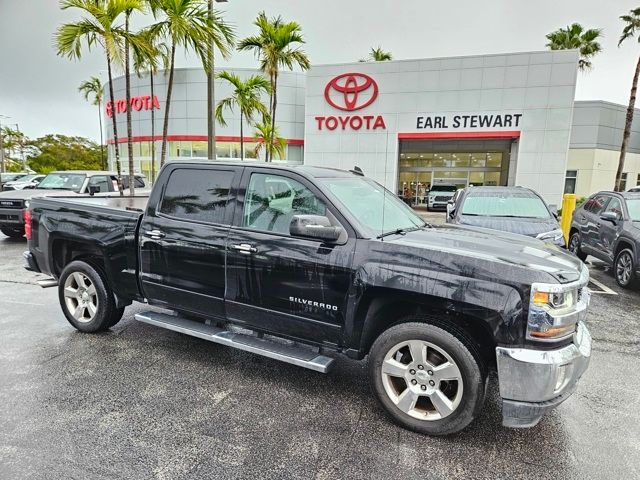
[(302, 263)]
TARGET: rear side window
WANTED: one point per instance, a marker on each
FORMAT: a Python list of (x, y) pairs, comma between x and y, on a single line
[(197, 194)]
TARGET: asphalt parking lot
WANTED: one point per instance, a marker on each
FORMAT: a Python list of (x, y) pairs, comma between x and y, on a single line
[(140, 402)]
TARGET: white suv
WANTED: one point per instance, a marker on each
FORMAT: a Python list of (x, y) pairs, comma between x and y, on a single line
[(439, 196)]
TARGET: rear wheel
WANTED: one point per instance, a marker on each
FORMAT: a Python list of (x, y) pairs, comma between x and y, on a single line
[(86, 298), (624, 268), (575, 243), (426, 378), (12, 232)]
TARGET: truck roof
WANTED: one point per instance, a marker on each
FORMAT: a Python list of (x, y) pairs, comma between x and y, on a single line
[(315, 172), (93, 172)]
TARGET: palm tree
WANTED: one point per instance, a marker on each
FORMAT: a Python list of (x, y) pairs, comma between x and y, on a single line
[(94, 88), (189, 24), (246, 96), (378, 55), (276, 46), (632, 23), (575, 37), (269, 139), (98, 27), (148, 60), (127, 77)]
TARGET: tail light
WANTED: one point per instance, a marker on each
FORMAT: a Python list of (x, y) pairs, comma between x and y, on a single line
[(27, 224)]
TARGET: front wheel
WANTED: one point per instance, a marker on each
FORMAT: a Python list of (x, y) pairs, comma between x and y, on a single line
[(624, 268), (574, 246), (86, 298), (426, 378), (12, 232)]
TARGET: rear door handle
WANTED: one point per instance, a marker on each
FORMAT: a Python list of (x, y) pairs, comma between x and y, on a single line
[(155, 234), (244, 248)]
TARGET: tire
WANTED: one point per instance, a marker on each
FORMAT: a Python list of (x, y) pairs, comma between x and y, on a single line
[(12, 232), (92, 308), (624, 268), (457, 402), (574, 246)]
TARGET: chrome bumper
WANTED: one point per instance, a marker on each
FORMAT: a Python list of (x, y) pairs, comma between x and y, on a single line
[(535, 381)]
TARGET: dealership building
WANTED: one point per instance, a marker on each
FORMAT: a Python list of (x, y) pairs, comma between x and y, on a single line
[(507, 119)]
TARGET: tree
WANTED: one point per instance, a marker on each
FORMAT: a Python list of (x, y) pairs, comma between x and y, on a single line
[(277, 45), (98, 27), (246, 96), (632, 24), (269, 140), (94, 88), (61, 152), (149, 61), (378, 55), (575, 37), (189, 24)]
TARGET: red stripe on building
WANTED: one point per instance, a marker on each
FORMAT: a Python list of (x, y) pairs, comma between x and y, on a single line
[(196, 138), (458, 135)]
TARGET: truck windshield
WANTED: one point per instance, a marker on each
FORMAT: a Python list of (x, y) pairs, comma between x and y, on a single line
[(376, 208), (633, 205), (508, 204), (62, 181)]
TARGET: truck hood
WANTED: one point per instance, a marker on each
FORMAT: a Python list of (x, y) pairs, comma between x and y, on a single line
[(494, 246), (32, 193), (524, 226)]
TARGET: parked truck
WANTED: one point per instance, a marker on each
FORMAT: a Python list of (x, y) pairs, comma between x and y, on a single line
[(301, 264)]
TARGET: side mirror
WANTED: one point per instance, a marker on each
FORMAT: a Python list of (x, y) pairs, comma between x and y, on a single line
[(451, 210), (314, 226), (610, 216), (93, 189)]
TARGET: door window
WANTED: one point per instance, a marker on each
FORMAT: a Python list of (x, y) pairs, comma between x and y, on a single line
[(596, 204), (197, 194), (615, 206), (272, 201), (100, 181)]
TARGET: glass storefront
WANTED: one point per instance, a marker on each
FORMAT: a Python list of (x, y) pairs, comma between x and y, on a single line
[(422, 165)]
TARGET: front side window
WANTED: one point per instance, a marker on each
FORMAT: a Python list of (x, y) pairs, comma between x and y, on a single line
[(596, 204), (633, 207), (271, 202), (507, 204), (197, 194), (615, 206), (63, 181)]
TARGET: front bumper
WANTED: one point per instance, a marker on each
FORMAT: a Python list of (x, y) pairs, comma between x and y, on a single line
[(11, 217), (533, 382)]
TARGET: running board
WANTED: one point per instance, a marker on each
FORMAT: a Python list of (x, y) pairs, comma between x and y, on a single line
[(293, 354)]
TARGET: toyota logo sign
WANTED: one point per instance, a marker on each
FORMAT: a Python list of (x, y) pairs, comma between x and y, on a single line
[(351, 91)]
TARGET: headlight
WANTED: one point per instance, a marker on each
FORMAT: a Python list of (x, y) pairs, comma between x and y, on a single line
[(26, 204), (554, 309), (556, 236)]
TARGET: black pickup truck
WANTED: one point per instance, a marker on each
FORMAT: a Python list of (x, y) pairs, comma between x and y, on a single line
[(302, 263)]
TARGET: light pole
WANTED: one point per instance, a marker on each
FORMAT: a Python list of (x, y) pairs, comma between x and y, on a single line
[(211, 122)]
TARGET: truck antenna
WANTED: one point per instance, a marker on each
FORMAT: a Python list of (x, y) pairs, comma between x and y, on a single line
[(384, 187)]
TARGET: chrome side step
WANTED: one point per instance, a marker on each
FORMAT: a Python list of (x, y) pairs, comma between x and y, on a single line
[(293, 354)]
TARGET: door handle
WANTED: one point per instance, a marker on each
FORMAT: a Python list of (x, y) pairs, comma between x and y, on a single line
[(155, 234), (244, 248)]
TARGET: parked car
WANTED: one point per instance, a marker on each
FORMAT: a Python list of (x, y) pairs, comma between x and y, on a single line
[(26, 182), (293, 262), (439, 195), (509, 209), (607, 227), (10, 177), (75, 182)]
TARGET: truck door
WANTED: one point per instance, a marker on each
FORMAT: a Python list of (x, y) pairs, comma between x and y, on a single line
[(183, 235), (282, 284), (610, 231)]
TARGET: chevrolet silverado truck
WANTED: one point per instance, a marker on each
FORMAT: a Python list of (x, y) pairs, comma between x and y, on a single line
[(301, 264)]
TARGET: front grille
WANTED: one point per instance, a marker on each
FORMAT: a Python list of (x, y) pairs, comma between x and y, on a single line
[(10, 203), (10, 218), (441, 199)]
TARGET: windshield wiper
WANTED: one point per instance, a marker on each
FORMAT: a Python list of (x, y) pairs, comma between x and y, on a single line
[(400, 231)]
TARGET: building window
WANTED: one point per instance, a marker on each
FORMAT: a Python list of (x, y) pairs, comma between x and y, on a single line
[(623, 182), (570, 181)]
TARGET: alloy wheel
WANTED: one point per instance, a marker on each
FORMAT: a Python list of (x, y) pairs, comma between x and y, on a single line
[(80, 297), (422, 380), (624, 268)]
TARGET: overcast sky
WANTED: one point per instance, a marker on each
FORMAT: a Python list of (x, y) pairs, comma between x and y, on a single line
[(38, 90)]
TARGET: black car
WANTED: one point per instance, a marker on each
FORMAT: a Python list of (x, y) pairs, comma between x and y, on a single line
[(509, 209), (607, 226)]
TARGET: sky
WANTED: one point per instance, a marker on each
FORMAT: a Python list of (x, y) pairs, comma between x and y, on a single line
[(38, 90)]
